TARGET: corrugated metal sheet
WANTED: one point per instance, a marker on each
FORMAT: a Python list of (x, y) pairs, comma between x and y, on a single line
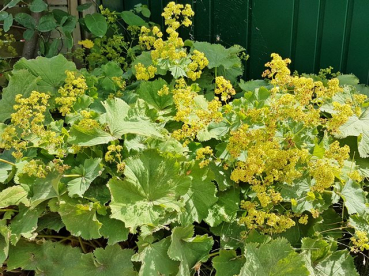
[(313, 33)]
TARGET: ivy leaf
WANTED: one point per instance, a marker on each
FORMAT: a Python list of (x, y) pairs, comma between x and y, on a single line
[(199, 198), (132, 19), (225, 209), (83, 7), (25, 20), (20, 82), (105, 262), (50, 70), (155, 260), (358, 127), (354, 198), (227, 263), (113, 230), (150, 192), (79, 218), (272, 259), (88, 172), (13, 195), (96, 23), (119, 124), (8, 22), (13, 3), (3, 15), (46, 23), (187, 249), (38, 6), (340, 263)]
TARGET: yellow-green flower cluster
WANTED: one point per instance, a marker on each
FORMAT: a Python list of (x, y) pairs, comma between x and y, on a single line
[(266, 222), (145, 73), (6, 42), (27, 124), (224, 88), (27, 120), (360, 241), (74, 87), (199, 62), (201, 154), (148, 37), (114, 155), (194, 116), (342, 113), (35, 168), (174, 12)]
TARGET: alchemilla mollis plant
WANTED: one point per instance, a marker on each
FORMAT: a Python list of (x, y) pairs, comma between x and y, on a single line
[(170, 164)]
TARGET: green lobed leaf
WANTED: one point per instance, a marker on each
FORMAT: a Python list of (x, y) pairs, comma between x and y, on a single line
[(89, 137), (358, 127), (24, 223), (227, 263), (119, 123), (225, 209), (155, 260), (49, 258), (113, 230), (45, 188), (272, 259), (51, 221), (50, 70), (13, 195), (79, 218), (104, 262), (96, 23), (199, 198), (150, 192), (218, 55), (354, 198), (230, 235), (340, 263), (20, 82), (188, 250), (148, 91), (88, 172)]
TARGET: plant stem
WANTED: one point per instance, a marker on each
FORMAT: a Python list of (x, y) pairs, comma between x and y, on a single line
[(71, 175), (7, 162), (82, 246), (6, 210)]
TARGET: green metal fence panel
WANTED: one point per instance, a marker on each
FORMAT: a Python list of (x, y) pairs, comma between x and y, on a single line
[(313, 33)]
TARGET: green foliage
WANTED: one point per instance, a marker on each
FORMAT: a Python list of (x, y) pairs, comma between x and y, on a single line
[(106, 172)]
